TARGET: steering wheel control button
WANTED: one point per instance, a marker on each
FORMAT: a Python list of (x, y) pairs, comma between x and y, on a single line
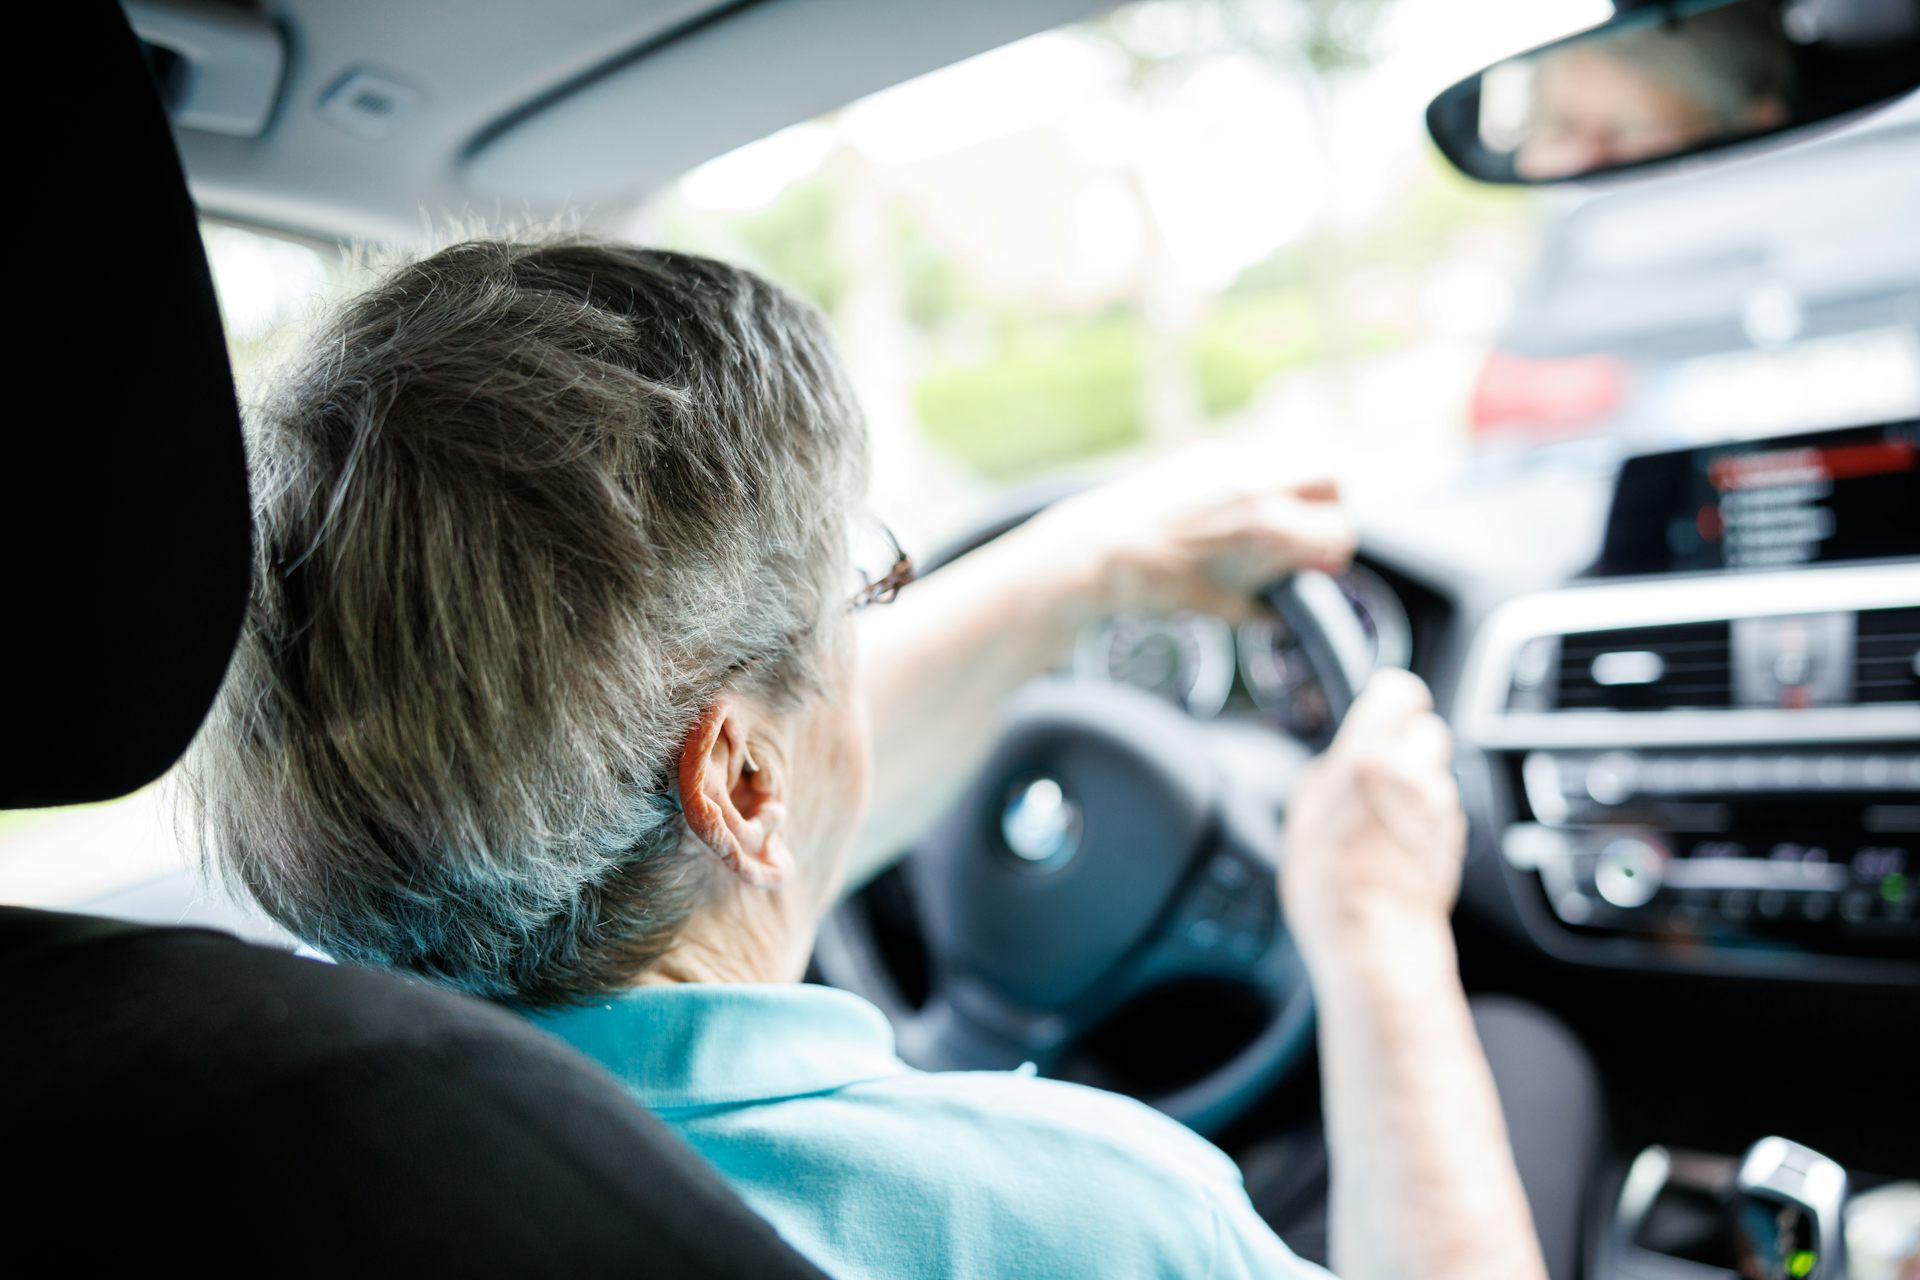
[(1248, 945), (1629, 872), (1234, 910), (1228, 873), (1204, 934), (1040, 825)]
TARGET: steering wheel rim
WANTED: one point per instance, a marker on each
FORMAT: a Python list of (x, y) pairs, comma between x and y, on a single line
[(1162, 868)]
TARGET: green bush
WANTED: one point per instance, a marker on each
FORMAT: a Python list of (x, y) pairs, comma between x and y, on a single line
[(1058, 393), (1241, 344), (792, 241), (1051, 395)]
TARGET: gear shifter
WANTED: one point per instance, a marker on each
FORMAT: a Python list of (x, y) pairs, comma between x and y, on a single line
[(1787, 1204)]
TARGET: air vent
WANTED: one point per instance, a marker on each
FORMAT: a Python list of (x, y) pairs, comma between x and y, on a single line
[(1886, 662), (1646, 668)]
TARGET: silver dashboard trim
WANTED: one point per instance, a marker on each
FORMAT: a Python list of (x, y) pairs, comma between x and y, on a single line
[(1482, 720)]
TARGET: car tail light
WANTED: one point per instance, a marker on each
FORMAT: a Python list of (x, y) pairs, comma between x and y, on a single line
[(1525, 397)]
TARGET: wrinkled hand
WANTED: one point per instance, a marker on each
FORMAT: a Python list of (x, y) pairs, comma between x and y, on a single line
[(1375, 832), (1205, 530)]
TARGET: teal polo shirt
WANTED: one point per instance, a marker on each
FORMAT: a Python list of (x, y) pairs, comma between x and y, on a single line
[(872, 1168)]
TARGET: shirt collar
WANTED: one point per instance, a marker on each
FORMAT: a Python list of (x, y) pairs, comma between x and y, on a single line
[(716, 1044)]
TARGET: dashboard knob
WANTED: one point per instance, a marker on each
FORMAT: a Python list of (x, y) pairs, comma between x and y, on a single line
[(1611, 778), (1628, 872)]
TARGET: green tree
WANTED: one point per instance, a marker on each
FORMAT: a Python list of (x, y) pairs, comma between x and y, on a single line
[(1313, 42)]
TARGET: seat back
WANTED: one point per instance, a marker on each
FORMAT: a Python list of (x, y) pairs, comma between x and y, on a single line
[(127, 565), (187, 1097)]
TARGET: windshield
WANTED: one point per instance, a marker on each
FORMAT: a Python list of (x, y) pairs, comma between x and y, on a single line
[(1179, 220), (1218, 219)]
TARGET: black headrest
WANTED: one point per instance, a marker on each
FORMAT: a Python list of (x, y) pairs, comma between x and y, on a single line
[(126, 571)]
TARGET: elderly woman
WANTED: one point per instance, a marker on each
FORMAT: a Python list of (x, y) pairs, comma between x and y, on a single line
[(552, 691)]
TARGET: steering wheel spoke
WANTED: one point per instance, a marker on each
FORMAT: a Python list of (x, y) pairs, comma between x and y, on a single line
[(1227, 920), (1224, 924)]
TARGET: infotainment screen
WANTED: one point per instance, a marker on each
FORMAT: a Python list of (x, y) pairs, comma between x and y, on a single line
[(1852, 494)]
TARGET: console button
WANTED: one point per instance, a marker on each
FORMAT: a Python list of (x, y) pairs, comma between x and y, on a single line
[(1896, 893), (1629, 871), (1736, 904), (1612, 778), (1573, 906), (1816, 907)]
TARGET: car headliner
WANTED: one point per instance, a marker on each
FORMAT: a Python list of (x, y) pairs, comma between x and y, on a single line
[(523, 110)]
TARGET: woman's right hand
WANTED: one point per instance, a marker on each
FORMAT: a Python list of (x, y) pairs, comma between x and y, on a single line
[(1375, 835), (1424, 1186)]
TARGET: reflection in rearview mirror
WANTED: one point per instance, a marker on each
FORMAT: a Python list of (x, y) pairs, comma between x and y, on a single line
[(1675, 79), (1639, 94)]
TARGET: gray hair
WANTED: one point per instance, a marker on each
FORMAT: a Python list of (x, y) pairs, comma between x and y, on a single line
[(523, 511), (1726, 58)]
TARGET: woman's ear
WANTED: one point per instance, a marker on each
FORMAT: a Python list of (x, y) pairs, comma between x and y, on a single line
[(733, 806)]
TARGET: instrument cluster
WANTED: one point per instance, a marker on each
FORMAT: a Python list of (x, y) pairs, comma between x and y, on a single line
[(1210, 667)]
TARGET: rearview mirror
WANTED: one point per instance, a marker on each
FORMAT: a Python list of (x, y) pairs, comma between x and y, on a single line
[(1675, 79)]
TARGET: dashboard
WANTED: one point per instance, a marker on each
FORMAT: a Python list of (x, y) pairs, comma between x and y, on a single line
[(1712, 740), (1702, 753), (1691, 772)]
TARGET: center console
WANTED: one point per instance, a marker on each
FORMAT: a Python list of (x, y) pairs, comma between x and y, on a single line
[(1780, 1211), (1716, 740)]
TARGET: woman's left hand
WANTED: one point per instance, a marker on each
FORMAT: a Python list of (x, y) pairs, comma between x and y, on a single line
[(1204, 530)]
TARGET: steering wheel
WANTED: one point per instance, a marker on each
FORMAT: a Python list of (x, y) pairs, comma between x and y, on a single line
[(1105, 849)]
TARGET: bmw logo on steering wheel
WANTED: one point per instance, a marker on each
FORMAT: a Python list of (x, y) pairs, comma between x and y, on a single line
[(1040, 825)]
